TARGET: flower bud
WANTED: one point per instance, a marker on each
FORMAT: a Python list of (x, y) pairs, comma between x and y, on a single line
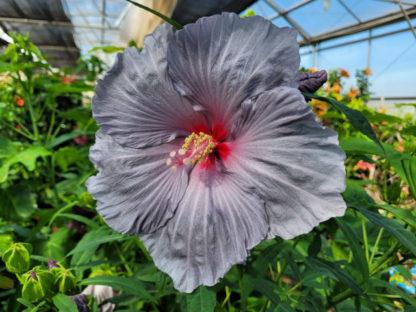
[(17, 258), (65, 281), (37, 284)]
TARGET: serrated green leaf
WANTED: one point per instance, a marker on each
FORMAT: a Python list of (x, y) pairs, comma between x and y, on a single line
[(64, 303), (404, 236), (401, 213), (393, 289), (266, 288), (337, 272), (359, 259)]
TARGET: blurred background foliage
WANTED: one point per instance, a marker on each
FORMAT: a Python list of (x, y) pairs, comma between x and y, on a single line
[(53, 243)]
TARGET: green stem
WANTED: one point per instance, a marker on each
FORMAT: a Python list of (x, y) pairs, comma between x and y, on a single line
[(383, 259), (243, 302), (365, 238), (373, 252), (16, 130), (52, 178), (27, 89), (341, 297), (52, 123), (126, 266)]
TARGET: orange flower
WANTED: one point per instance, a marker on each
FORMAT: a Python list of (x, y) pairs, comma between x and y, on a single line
[(352, 94), (319, 108), (367, 71), (66, 80), (363, 165), (382, 110), (312, 70), (19, 101), (344, 73), (336, 88)]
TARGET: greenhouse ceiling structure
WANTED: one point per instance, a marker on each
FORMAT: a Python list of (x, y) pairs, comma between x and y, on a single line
[(65, 29)]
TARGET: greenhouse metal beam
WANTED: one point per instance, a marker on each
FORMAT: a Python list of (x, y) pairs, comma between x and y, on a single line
[(403, 2), (296, 6), (349, 11), (58, 48), (373, 23), (53, 23), (369, 38), (407, 18), (285, 15)]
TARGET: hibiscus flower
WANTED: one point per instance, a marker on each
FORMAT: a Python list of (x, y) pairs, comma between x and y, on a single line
[(206, 146)]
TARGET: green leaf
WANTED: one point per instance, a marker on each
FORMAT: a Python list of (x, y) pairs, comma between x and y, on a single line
[(64, 303), (379, 117), (6, 283), (66, 156), (355, 195), (11, 155), (164, 17), (404, 164), (393, 289), (410, 130), (79, 218), (356, 118), (401, 213), (359, 259), (202, 299), (266, 288), (107, 49), (128, 285), (69, 88), (21, 199), (404, 236), (315, 246), (337, 272), (66, 137), (96, 238), (57, 244)]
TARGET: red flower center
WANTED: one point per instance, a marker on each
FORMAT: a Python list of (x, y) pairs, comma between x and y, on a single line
[(202, 146)]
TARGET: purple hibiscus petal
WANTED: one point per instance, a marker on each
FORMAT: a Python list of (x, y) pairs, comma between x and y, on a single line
[(293, 162), (136, 191), (221, 60), (135, 102), (216, 224)]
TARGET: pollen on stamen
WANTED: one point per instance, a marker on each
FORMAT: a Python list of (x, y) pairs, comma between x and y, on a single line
[(174, 168), (168, 161), (172, 154)]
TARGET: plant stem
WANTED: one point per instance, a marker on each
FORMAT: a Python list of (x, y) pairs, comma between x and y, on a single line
[(384, 258), (373, 252), (27, 89), (243, 302), (365, 238), (16, 130)]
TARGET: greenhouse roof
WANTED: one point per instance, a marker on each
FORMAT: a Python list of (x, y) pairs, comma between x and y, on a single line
[(48, 25), (64, 28)]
